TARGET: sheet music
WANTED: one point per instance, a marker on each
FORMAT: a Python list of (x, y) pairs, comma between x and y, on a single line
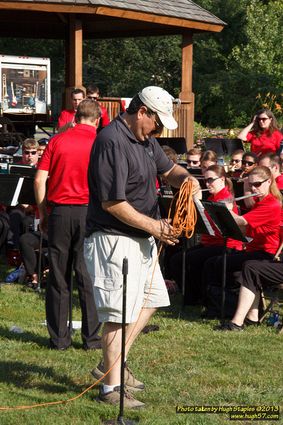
[(205, 220)]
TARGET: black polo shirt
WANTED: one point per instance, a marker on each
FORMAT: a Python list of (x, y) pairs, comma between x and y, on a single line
[(123, 169)]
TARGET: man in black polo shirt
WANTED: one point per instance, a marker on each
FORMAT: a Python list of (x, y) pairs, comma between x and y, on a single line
[(122, 221)]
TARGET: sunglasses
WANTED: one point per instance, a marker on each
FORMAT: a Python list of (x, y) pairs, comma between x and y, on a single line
[(249, 163), (93, 97), (30, 152), (190, 161), (210, 180), (257, 184), (235, 160), (263, 119)]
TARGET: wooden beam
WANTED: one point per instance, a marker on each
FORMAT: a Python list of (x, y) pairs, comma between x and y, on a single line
[(187, 86), (117, 13)]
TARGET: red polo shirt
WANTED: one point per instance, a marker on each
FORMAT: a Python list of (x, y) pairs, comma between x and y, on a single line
[(67, 115), (279, 182), (218, 239), (264, 225), (66, 159), (265, 143)]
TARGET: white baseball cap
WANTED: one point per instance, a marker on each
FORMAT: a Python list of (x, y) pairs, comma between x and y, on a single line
[(161, 102)]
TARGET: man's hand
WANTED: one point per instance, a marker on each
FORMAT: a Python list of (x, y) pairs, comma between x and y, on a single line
[(165, 232), (43, 223), (196, 185)]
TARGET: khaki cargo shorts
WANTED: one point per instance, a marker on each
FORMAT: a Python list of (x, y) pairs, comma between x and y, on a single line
[(146, 288)]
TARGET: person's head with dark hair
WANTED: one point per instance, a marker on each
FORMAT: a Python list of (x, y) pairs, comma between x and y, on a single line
[(216, 179), (88, 112), (171, 153), (92, 92), (273, 162), (193, 157), (208, 158), (42, 143), (77, 95), (249, 161), (149, 112), (265, 121)]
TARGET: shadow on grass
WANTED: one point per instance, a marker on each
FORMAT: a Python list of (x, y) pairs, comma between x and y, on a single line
[(178, 311), (30, 376)]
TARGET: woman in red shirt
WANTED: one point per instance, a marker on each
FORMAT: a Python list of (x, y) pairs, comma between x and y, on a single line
[(220, 188), (262, 133), (261, 223)]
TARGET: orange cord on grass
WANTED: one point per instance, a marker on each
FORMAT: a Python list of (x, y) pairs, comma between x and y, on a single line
[(183, 223)]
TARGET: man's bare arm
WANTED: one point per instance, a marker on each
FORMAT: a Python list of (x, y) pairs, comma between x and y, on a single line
[(40, 197), (123, 211)]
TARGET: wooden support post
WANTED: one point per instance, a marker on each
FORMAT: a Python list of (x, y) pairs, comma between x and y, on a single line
[(186, 95), (74, 58)]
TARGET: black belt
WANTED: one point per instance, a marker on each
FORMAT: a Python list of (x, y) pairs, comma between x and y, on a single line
[(53, 204)]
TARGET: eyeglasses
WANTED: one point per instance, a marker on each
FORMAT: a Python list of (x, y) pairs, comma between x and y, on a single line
[(190, 161), (93, 97), (30, 152), (210, 180), (158, 124), (249, 163), (257, 184), (235, 160), (263, 118)]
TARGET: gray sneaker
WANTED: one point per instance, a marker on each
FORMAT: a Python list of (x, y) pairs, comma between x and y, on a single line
[(131, 383), (113, 398)]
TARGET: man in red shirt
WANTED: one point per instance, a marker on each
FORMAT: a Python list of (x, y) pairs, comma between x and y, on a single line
[(67, 116), (273, 162), (92, 92), (65, 161)]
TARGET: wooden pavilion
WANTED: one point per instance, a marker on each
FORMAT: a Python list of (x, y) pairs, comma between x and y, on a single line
[(75, 20)]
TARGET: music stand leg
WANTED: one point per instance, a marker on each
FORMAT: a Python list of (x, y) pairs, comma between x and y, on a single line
[(224, 266), (39, 263), (184, 265), (120, 420)]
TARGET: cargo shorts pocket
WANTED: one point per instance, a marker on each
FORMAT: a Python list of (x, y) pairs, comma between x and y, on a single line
[(108, 294)]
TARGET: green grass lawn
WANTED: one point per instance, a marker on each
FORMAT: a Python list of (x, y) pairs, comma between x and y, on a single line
[(186, 362)]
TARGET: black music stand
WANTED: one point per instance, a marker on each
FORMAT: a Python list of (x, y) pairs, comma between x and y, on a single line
[(229, 229)]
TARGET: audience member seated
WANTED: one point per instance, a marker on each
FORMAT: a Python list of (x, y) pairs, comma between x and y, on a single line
[(255, 276), (4, 226), (208, 158), (193, 158), (235, 166), (262, 224), (220, 188), (92, 92), (67, 117), (29, 242), (262, 133), (273, 162)]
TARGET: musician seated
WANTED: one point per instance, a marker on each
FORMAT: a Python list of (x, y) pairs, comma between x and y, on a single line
[(30, 152), (220, 188), (235, 165), (261, 223), (42, 143), (29, 244), (249, 162), (193, 158), (208, 158), (274, 163)]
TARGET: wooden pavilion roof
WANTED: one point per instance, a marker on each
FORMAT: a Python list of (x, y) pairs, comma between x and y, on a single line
[(104, 18)]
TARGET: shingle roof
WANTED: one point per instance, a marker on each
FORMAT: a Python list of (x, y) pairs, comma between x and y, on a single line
[(184, 9)]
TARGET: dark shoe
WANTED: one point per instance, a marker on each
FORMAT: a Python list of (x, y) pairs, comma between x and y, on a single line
[(113, 398), (249, 322), (230, 326), (52, 346), (131, 383), (96, 345)]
